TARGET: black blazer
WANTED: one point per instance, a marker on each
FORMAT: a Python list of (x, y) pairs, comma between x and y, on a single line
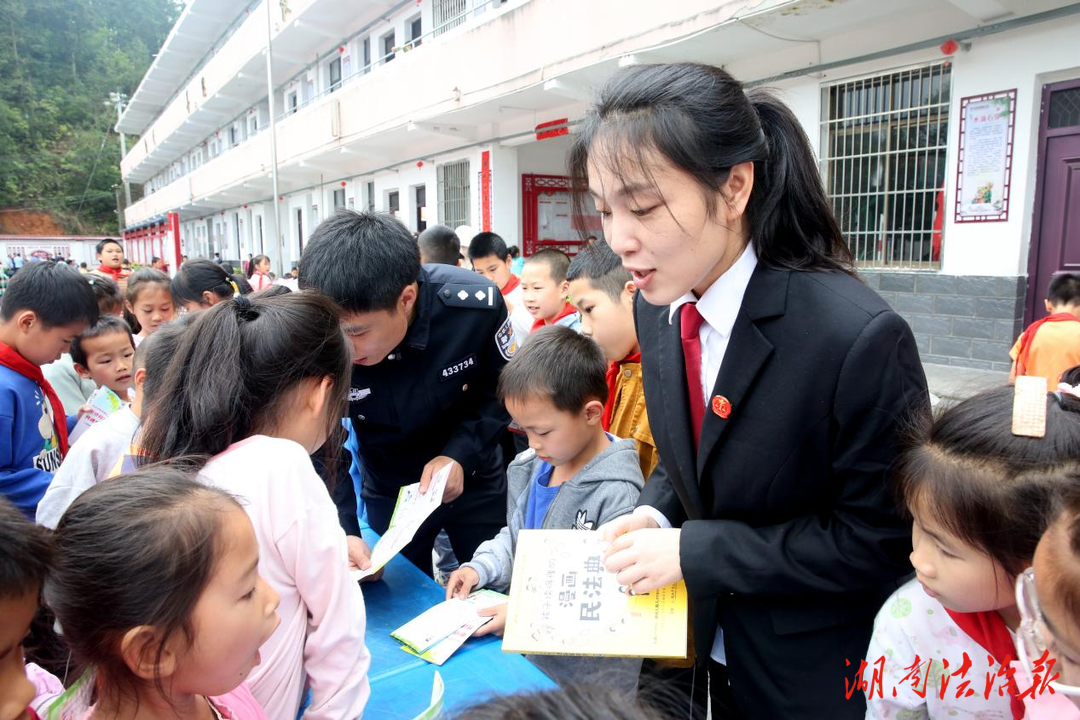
[(790, 537)]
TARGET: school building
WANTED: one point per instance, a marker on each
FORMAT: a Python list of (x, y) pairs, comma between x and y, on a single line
[(948, 130)]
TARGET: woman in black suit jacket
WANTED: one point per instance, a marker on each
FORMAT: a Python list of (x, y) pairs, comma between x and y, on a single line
[(776, 513)]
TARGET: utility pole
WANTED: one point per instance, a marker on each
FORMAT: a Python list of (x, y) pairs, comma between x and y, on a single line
[(118, 99), (277, 249), (119, 210)]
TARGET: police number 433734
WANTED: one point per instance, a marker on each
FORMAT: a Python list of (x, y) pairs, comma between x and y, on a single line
[(459, 367)]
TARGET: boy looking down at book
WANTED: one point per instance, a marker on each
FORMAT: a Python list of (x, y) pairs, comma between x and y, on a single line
[(602, 291), (544, 289), (46, 306), (574, 475), (1050, 346)]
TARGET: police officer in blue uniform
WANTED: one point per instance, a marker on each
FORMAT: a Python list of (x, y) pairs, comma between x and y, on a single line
[(428, 345)]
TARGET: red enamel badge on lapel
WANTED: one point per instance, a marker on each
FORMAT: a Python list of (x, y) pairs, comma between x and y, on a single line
[(721, 406)]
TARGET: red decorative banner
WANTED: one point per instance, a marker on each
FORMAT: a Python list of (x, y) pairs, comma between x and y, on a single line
[(551, 129), (485, 191)]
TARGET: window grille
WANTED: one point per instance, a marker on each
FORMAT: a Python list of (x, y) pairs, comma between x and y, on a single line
[(883, 141), (448, 14), (453, 186)]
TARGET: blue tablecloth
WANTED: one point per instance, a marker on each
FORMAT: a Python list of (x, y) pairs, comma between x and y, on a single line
[(401, 683)]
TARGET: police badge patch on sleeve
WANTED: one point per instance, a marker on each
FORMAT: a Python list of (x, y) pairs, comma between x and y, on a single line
[(506, 340)]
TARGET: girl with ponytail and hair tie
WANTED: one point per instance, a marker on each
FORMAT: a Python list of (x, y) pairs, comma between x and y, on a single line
[(255, 387), (776, 382)]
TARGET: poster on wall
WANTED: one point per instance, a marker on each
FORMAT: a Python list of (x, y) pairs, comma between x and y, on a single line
[(984, 168)]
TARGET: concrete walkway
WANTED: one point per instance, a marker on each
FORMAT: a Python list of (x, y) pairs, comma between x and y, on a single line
[(950, 384)]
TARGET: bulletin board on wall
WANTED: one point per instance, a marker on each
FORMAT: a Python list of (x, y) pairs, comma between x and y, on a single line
[(548, 219), (985, 155)]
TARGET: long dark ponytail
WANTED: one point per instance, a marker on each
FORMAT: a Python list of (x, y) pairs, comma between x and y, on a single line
[(701, 120), (234, 369)]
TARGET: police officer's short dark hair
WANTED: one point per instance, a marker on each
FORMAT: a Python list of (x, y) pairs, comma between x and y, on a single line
[(557, 261), (557, 363), (54, 293), (599, 264), (486, 244), (439, 244), (361, 260), (1064, 289)]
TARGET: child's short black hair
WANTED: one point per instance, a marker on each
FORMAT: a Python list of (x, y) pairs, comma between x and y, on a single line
[(486, 244), (439, 244), (107, 324), (570, 701), (54, 293), (361, 260), (557, 261), (25, 553), (101, 245), (557, 363), (599, 264), (1064, 289)]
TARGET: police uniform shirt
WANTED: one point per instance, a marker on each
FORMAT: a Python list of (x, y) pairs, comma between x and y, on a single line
[(435, 394)]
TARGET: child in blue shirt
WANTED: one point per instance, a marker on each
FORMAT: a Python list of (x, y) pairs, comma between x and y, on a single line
[(46, 306), (573, 476)]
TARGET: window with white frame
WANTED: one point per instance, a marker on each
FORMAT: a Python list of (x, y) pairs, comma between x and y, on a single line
[(454, 197), (883, 150), (414, 30), (388, 46), (335, 74)]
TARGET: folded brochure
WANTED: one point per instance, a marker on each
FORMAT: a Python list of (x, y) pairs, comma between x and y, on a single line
[(441, 650), (410, 512), (103, 403), (563, 602)]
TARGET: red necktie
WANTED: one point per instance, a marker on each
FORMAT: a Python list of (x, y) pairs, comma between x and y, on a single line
[(690, 322)]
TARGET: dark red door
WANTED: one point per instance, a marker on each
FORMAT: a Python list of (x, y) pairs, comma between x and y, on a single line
[(1056, 228)]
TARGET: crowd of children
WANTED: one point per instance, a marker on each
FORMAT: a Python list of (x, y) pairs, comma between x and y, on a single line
[(196, 516)]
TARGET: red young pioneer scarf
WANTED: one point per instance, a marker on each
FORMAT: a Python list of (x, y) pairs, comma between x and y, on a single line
[(568, 309), (12, 359), (1029, 336), (114, 273), (612, 383), (511, 285), (989, 630)]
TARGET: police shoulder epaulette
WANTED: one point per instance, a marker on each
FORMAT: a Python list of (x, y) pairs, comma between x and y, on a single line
[(469, 296)]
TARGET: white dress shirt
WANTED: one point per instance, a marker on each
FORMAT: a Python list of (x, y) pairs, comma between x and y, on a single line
[(719, 306)]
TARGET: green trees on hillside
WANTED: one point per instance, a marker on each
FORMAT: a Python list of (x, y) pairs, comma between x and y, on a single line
[(59, 60)]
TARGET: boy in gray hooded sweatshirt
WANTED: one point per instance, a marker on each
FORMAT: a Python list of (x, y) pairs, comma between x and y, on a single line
[(574, 475)]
